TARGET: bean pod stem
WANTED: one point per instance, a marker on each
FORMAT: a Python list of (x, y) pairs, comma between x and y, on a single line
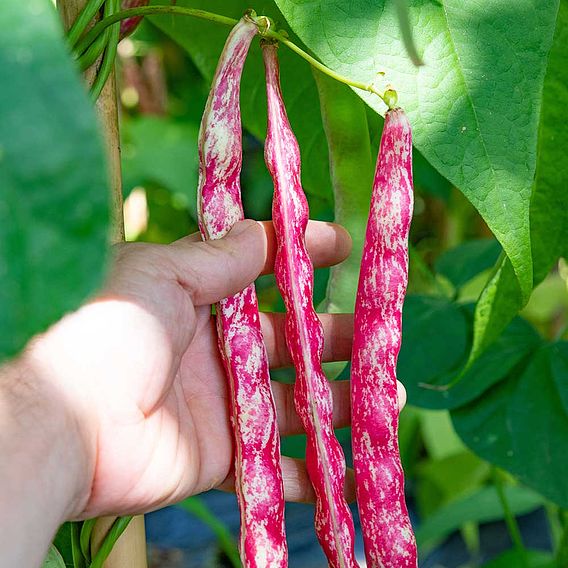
[(388, 537), (257, 446), (304, 336)]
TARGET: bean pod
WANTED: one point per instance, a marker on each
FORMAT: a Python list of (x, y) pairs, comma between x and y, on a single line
[(388, 537), (128, 25), (257, 446), (304, 336)]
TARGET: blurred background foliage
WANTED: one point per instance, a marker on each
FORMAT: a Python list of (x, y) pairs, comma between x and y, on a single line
[(452, 490)]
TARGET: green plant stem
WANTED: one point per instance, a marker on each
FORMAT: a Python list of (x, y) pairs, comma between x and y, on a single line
[(562, 550), (196, 507), (554, 523), (321, 67), (510, 520), (107, 64), (78, 559), (85, 538), (117, 528), (147, 11), (94, 51), (98, 28), (87, 14)]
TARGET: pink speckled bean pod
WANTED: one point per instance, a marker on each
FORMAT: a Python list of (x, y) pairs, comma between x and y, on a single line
[(257, 445), (389, 540), (130, 24), (304, 336)]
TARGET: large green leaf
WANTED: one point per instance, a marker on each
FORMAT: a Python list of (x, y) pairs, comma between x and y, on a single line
[(204, 42), (474, 104), (53, 194), (460, 264), (511, 350), (434, 342), (502, 299), (521, 424), (352, 166), (172, 163), (535, 559), (483, 506)]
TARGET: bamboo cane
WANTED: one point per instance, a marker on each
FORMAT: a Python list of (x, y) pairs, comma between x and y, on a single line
[(130, 549)]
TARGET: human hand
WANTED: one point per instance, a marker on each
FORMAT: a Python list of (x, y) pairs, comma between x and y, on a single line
[(140, 369)]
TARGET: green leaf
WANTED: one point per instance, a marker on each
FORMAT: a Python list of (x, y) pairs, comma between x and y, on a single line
[(406, 31), (502, 298), (483, 506), (162, 151), (62, 542), (53, 559), (535, 558), (460, 264), (474, 104), (521, 424), (439, 436), (510, 351), (428, 179), (53, 194), (442, 481), (203, 41), (352, 167), (434, 342)]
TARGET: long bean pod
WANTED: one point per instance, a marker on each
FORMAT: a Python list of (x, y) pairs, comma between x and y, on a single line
[(304, 335), (388, 537), (257, 446)]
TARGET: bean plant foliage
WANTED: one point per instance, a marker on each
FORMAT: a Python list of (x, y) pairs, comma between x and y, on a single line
[(484, 355), (484, 108)]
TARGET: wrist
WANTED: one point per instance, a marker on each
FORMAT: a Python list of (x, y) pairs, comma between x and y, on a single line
[(43, 463)]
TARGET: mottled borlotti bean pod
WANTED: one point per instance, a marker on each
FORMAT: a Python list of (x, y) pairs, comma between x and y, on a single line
[(304, 335), (257, 454), (130, 24), (389, 540)]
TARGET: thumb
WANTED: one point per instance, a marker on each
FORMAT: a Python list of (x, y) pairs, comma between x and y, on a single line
[(213, 270)]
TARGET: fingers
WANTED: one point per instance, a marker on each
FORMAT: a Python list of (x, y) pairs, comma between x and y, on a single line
[(297, 486), (246, 252), (210, 271), (338, 333), (288, 421), (327, 244)]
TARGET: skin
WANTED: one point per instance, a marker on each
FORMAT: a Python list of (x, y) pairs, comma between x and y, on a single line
[(93, 421)]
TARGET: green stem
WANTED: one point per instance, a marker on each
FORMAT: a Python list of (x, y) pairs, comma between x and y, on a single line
[(78, 559), (555, 525), (107, 64), (147, 11), (265, 32), (562, 550), (85, 537), (195, 506), (321, 67), (87, 14), (510, 520), (94, 52), (117, 528)]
